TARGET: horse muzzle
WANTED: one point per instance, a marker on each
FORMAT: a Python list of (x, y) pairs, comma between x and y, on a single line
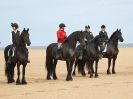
[(29, 43)]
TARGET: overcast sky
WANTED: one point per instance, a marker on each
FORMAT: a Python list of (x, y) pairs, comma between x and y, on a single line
[(44, 16)]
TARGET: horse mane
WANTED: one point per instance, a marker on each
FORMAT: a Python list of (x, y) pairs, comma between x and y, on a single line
[(72, 36), (112, 36)]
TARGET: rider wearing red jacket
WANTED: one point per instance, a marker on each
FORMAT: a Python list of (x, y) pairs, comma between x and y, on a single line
[(61, 35)]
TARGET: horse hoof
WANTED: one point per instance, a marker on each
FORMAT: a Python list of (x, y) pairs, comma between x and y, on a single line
[(96, 75), (24, 83), (48, 78), (18, 82), (74, 74), (91, 76), (69, 79), (55, 78), (10, 82), (113, 72), (108, 72), (13, 80), (83, 74)]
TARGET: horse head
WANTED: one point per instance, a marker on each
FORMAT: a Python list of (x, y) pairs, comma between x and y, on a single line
[(25, 36), (82, 38), (100, 42), (119, 35)]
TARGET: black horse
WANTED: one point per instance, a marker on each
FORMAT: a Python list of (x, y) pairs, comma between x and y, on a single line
[(67, 54), (112, 49), (80, 55), (20, 58), (92, 52)]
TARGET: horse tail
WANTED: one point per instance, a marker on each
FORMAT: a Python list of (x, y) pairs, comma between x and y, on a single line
[(9, 69), (49, 64), (6, 58)]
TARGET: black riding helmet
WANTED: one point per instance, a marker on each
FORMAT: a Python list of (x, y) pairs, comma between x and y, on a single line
[(87, 27), (14, 25), (103, 26), (62, 25)]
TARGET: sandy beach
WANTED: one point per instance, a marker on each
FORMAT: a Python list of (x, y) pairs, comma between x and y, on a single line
[(118, 86)]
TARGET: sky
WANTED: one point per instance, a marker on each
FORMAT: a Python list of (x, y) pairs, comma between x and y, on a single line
[(42, 17)]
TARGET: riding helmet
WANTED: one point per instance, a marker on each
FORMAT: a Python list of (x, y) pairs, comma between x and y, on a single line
[(103, 26), (62, 25), (14, 25), (87, 26)]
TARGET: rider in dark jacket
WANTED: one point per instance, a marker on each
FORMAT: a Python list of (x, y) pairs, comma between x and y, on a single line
[(89, 35), (15, 37), (15, 34), (103, 32), (104, 35)]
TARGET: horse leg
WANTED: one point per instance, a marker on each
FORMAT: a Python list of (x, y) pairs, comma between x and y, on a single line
[(12, 75), (109, 63), (90, 67), (75, 65), (48, 66), (18, 72), (96, 68), (54, 70), (69, 69), (113, 68), (83, 69), (9, 72), (93, 70), (23, 74)]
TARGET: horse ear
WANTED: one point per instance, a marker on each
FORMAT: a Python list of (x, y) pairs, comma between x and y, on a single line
[(27, 29), (24, 29), (120, 30), (117, 29)]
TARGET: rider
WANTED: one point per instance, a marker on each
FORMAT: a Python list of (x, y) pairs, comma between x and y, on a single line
[(61, 35), (89, 35), (103, 32), (15, 36), (104, 35)]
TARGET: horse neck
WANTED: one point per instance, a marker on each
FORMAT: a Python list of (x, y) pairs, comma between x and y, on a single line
[(72, 41), (94, 42), (21, 45), (114, 42)]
